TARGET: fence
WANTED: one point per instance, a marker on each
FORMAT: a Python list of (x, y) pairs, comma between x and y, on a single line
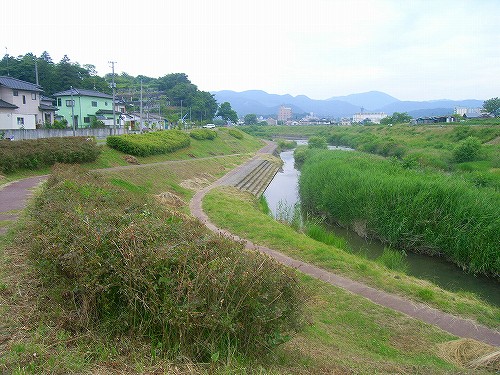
[(17, 134)]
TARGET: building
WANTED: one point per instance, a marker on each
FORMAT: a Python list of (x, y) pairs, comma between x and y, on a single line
[(19, 104), (47, 109), (284, 114), (86, 106), (466, 111), (364, 117)]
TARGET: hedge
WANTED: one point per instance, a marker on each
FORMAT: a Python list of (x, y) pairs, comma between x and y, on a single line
[(161, 142)]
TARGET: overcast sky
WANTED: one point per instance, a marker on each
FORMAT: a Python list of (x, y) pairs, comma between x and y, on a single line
[(413, 50)]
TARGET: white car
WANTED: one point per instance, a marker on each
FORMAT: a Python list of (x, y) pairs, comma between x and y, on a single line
[(209, 126)]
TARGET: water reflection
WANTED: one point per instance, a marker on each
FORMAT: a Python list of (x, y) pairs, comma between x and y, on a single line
[(283, 192)]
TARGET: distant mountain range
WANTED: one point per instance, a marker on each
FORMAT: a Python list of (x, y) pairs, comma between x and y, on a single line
[(263, 104)]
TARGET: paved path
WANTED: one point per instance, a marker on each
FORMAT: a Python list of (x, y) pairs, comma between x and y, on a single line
[(447, 322), (15, 195)]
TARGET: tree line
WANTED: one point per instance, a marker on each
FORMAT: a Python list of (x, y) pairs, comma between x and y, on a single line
[(173, 95)]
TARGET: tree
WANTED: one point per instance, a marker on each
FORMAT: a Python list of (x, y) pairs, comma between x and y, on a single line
[(492, 106), (396, 118), (250, 119), (227, 113)]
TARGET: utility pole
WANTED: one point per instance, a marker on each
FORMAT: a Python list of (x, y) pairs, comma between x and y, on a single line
[(36, 72), (72, 111), (140, 111), (113, 87)]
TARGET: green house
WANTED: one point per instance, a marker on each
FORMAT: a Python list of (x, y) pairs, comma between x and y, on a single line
[(85, 106)]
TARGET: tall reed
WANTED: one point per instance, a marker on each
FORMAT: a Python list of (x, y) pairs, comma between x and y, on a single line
[(428, 212)]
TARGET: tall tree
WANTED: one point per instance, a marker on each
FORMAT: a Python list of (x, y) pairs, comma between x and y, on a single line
[(227, 113), (492, 106)]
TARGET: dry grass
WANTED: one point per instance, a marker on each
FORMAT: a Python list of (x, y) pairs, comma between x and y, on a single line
[(470, 353)]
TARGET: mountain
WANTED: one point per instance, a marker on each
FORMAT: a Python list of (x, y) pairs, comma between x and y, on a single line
[(263, 104), (368, 100)]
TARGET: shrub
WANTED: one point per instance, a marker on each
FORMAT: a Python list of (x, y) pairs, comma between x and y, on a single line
[(317, 142), (236, 133), (284, 144), (201, 134), (154, 143), (467, 150), (44, 152), (121, 263)]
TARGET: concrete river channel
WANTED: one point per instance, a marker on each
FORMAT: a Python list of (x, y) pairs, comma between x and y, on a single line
[(282, 193)]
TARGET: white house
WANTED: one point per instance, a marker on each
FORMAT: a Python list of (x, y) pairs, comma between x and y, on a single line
[(19, 104), (374, 117)]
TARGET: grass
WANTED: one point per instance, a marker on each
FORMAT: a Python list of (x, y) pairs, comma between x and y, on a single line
[(249, 222), (345, 334), (417, 211)]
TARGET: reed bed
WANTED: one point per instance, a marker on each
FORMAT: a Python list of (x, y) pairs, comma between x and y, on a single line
[(419, 211)]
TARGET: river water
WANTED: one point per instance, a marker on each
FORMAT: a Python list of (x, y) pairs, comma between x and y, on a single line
[(282, 192)]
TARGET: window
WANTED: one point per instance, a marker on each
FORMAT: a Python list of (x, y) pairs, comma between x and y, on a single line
[(94, 104), (70, 103), (16, 93), (24, 99), (86, 120), (33, 95), (106, 104), (59, 102), (20, 121)]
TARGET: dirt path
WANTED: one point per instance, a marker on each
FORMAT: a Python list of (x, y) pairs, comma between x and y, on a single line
[(447, 322)]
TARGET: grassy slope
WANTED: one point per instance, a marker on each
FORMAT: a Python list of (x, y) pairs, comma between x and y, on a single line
[(249, 222), (346, 333)]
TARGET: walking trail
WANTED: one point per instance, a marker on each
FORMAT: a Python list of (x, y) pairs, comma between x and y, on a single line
[(13, 198), (447, 322)]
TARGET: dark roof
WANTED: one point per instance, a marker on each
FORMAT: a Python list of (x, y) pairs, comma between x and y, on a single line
[(17, 84), (4, 104), (44, 107), (83, 92), (105, 112), (46, 98)]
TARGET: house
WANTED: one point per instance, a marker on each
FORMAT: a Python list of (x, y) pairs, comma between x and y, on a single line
[(86, 106), (19, 104), (47, 110)]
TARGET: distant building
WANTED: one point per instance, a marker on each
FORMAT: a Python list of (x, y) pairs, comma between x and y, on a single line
[(284, 114), (271, 121), (466, 111), (374, 117)]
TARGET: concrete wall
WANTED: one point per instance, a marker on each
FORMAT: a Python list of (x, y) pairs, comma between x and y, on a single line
[(18, 134)]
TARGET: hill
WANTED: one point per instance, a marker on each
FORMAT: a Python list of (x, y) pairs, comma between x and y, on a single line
[(262, 103)]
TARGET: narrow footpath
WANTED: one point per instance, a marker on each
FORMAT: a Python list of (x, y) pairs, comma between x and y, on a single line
[(457, 326)]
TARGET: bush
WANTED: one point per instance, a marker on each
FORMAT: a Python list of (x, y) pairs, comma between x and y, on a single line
[(121, 263), (317, 142), (467, 150), (236, 133), (154, 143), (201, 134), (44, 152)]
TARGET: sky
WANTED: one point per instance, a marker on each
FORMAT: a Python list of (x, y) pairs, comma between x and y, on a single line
[(410, 49)]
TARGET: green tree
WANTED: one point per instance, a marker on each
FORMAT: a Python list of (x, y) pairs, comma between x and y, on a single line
[(492, 106), (227, 113), (396, 118), (250, 119)]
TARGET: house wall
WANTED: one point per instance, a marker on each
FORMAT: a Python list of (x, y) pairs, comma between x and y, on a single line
[(83, 108), (27, 113)]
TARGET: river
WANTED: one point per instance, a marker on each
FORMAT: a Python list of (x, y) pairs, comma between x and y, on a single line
[(283, 192)]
